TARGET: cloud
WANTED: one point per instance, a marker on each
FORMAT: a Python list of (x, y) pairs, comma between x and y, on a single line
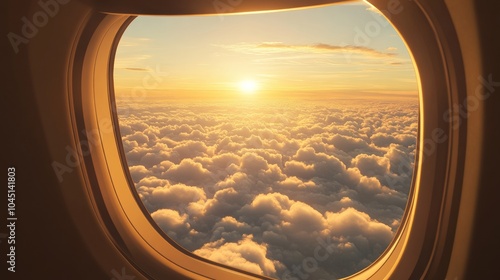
[(348, 143), (151, 158), (269, 204), (256, 187), (280, 47), (137, 69), (138, 172), (252, 163), (294, 182), (371, 165), (352, 222), (244, 254), (302, 217), (299, 169), (188, 149), (138, 137), (226, 201), (174, 223), (174, 196), (368, 187), (188, 172)]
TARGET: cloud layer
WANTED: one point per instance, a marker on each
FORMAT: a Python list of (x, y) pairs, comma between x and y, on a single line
[(280, 47), (292, 191)]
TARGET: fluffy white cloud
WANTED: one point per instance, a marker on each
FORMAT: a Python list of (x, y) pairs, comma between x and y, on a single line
[(371, 165), (174, 196), (188, 172), (244, 254), (269, 204), (188, 149), (171, 220), (252, 163), (138, 172), (138, 137), (351, 222), (294, 182), (302, 217), (299, 169), (256, 187)]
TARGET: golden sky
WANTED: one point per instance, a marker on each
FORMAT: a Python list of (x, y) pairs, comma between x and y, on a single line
[(339, 49)]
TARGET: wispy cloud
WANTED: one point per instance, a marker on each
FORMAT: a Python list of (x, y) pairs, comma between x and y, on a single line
[(279, 47), (137, 69), (131, 61)]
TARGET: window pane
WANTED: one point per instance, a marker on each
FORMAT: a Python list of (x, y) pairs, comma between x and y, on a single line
[(279, 143)]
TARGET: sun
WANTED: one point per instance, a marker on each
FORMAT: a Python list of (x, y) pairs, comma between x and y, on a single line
[(249, 86)]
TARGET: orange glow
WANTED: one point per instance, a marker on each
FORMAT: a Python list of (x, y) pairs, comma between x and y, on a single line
[(248, 86)]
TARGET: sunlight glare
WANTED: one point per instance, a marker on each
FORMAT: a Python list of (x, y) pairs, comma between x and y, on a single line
[(248, 86)]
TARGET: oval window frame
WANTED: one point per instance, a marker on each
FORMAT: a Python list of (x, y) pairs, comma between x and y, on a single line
[(423, 233)]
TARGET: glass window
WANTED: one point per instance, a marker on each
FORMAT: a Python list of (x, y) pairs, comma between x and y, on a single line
[(279, 143)]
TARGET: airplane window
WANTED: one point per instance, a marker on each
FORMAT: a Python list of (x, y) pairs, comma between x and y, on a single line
[(279, 143)]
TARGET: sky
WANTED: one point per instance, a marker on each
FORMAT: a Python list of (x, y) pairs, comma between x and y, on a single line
[(279, 143), (341, 48)]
